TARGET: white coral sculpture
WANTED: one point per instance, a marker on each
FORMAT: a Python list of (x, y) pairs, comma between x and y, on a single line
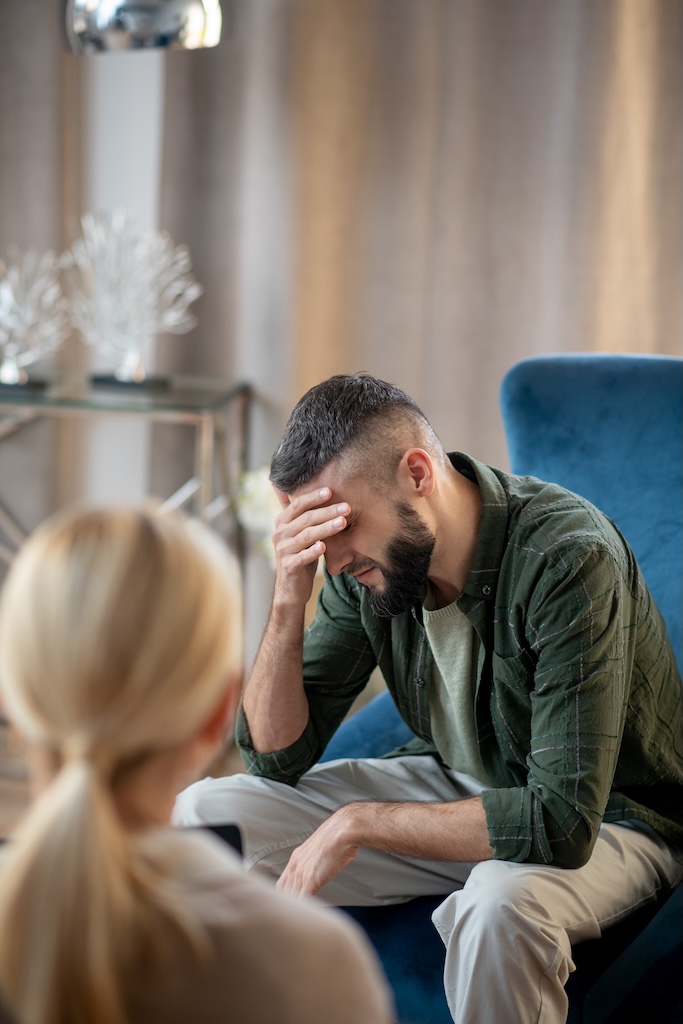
[(127, 286), (34, 315)]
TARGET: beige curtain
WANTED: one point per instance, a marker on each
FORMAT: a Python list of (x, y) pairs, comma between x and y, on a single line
[(33, 197), (430, 191)]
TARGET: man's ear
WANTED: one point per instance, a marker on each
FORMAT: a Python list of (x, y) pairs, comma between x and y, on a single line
[(416, 471)]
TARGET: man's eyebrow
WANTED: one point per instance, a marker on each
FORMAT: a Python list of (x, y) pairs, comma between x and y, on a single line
[(351, 520)]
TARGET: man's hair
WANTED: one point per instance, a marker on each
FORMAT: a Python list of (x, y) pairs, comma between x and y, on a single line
[(359, 418)]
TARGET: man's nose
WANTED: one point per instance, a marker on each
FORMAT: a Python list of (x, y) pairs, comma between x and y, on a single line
[(337, 554)]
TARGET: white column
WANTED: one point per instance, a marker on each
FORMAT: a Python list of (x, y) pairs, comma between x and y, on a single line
[(122, 111)]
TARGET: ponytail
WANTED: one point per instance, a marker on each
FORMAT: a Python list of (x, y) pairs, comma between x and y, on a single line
[(67, 905), (118, 633), (80, 907)]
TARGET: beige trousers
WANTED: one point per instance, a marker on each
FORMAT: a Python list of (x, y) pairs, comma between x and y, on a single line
[(508, 928)]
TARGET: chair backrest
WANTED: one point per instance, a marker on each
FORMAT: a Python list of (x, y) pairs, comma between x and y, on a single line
[(610, 427)]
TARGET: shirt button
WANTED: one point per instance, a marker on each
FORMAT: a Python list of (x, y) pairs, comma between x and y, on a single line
[(419, 681), (486, 590)]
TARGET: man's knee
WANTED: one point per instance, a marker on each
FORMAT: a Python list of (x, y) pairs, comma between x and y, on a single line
[(498, 893), (501, 908), (212, 801)]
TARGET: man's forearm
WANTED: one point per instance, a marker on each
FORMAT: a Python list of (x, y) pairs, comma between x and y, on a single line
[(274, 701), (434, 831), (430, 831)]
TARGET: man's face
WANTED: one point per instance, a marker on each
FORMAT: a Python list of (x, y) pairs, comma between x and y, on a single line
[(405, 566), (386, 545)]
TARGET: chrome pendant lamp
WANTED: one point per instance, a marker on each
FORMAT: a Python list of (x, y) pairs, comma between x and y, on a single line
[(97, 26)]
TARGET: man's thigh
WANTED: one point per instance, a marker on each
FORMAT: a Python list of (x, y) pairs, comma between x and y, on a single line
[(627, 870), (275, 818)]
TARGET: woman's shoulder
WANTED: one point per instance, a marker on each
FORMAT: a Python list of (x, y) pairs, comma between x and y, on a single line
[(270, 950)]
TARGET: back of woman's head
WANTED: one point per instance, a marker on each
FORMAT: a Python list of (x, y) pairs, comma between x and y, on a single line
[(118, 630), (119, 633)]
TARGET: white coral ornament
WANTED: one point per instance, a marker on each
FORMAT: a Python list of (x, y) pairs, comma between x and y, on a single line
[(257, 507), (126, 287), (34, 316)]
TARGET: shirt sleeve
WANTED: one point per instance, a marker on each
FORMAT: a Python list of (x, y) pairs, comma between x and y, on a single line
[(581, 631), (338, 661)]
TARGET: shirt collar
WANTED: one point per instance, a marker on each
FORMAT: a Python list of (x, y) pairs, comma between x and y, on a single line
[(488, 552)]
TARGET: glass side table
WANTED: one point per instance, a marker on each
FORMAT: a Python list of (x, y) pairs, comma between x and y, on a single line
[(208, 405)]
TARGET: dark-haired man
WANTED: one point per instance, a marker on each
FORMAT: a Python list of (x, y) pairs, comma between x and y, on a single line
[(544, 793)]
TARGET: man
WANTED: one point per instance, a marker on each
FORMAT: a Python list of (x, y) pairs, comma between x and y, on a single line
[(543, 795)]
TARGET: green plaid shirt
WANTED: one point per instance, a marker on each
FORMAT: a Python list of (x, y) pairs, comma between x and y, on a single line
[(578, 703)]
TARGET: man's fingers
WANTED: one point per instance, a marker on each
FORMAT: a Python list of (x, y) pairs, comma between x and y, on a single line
[(311, 504), (299, 503), (317, 861), (304, 556), (299, 539), (297, 883), (297, 532)]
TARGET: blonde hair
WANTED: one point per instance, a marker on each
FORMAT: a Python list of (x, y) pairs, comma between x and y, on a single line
[(119, 633)]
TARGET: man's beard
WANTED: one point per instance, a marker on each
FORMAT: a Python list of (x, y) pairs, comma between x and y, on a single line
[(405, 567)]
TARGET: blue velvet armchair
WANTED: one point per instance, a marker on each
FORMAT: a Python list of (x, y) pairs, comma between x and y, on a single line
[(609, 427)]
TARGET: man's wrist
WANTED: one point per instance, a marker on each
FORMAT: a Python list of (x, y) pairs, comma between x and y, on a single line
[(286, 605), (286, 620), (353, 821)]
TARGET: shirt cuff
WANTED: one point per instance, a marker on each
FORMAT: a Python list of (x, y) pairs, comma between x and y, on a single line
[(286, 765)]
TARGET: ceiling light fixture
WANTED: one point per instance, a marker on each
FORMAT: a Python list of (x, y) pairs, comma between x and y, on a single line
[(98, 26)]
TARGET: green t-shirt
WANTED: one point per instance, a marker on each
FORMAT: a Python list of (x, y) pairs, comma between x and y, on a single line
[(455, 646)]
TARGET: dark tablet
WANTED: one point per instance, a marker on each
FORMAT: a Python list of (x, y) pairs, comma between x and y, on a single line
[(228, 833)]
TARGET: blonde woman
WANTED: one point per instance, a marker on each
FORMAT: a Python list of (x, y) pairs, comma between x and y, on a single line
[(120, 663)]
